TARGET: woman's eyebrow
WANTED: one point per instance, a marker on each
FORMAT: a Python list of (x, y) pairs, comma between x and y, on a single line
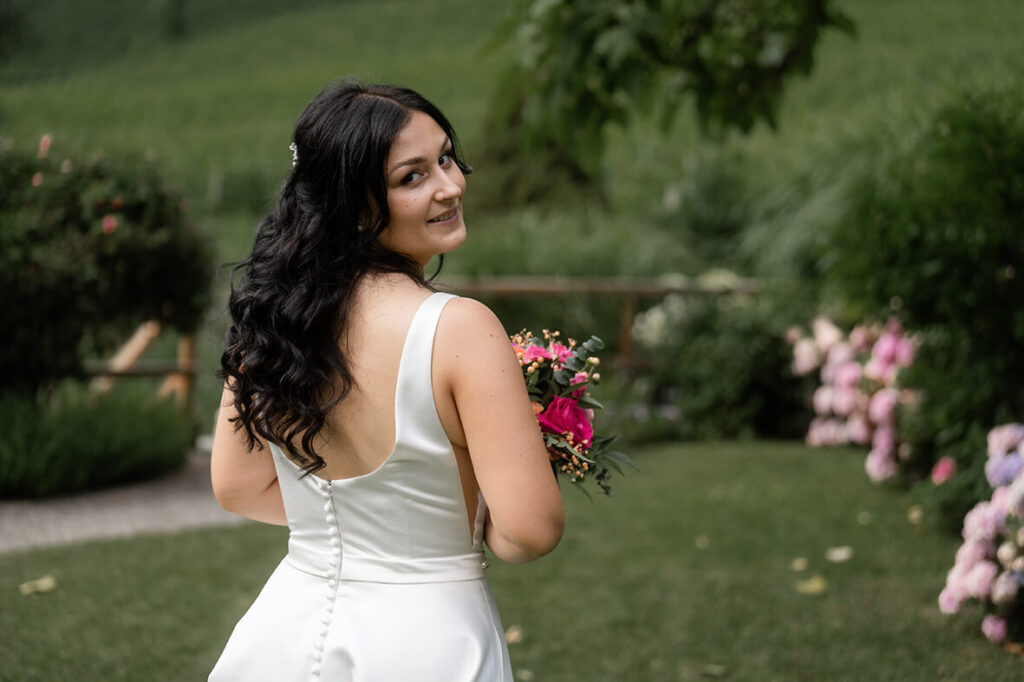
[(418, 159)]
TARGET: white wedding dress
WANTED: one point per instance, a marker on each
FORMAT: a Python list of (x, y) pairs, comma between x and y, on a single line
[(384, 580)]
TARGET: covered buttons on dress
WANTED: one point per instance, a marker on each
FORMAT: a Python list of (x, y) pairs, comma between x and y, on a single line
[(334, 569)]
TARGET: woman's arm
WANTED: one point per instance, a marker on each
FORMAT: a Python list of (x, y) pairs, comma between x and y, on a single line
[(501, 432), (244, 481)]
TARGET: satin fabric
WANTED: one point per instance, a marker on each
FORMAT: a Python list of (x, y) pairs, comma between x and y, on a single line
[(383, 580)]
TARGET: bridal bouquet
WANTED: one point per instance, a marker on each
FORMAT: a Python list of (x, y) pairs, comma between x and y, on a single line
[(557, 377)]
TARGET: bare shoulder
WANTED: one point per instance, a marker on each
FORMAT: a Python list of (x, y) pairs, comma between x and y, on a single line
[(469, 333)]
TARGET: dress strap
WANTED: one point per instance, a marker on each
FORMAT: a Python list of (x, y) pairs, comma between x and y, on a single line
[(414, 392)]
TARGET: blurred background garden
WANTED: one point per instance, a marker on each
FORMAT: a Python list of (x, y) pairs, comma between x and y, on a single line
[(798, 225)]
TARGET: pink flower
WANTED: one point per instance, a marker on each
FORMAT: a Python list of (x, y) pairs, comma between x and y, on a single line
[(822, 400), (858, 428), (825, 333), (37, 179), (1005, 438), (580, 378), (564, 415), (847, 374), (905, 351), (980, 578), (840, 353), (971, 552), (534, 352), (844, 401), (883, 406), (950, 601), (861, 338), (885, 348), (109, 223), (994, 628), (982, 522), (943, 470), (805, 357), (559, 351), (884, 440), (793, 334), (879, 466)]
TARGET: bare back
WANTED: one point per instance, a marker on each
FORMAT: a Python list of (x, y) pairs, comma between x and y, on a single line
[(360, 431)]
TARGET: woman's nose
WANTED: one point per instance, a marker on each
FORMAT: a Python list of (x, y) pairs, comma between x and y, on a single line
[(450, 189)]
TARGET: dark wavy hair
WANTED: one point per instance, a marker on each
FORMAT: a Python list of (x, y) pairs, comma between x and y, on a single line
[(283, 358)]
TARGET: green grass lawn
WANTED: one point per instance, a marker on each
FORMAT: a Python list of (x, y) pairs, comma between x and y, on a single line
[(685, 575)]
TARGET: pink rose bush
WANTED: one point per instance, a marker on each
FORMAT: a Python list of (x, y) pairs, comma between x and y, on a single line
[(859, 398), (989, 565), (558, 377)]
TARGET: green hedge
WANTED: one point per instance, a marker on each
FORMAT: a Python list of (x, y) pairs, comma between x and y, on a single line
[(89, 247), (77, 440)]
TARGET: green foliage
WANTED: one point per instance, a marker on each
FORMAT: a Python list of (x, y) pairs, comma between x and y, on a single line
[(76, 440), (88, 249), (582, 65), (724, 366), (937, 238)]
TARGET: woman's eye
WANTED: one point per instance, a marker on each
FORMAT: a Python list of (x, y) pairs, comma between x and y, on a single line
[(445, 159), (411, 177)]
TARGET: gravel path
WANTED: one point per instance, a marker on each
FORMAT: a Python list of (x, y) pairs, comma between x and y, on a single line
[(179, 500)]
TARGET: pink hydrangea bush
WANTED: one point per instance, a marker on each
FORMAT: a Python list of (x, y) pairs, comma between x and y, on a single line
[(989, 565), (859, 397)]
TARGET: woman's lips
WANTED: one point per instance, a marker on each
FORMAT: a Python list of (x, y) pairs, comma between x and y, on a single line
[(446, 216)]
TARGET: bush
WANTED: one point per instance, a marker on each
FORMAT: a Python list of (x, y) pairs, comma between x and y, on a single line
[(77, 440), (724, 365), (938, 239), (88, 249)]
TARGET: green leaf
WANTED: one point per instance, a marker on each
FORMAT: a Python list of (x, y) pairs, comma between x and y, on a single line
[(586, 401)]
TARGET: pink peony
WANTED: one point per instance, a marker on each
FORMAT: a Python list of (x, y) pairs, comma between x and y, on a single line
[(1012, 500), (858, 428), (884, 349), (883, 406), (844, 401), (822, 400), (839, 354), (950, 601), (1005, 438), (879, 466), (580, 378), (109, 223), (825, 333), (847, 375), (971, 552), (861, 338), (980, 578), (943, 470), (905, 352), (534, 352), (563, 416), (884, 439), (805, 357), (44, 145), (982, 522), (994, 628)]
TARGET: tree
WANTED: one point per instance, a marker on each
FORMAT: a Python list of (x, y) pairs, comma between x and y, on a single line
[(581, 64)]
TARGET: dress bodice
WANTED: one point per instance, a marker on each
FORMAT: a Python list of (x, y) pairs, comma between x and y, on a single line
[(406, 521)]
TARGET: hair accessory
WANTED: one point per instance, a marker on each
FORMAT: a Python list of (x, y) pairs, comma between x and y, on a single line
[(295, 154)]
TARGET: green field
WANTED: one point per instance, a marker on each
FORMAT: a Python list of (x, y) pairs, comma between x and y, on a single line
[(686, 574)]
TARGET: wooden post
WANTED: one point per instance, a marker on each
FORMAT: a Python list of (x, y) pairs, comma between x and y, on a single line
[(180, 382), (127, 355), (627, 312)]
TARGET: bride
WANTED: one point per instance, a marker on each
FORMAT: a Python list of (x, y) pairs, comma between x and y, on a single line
[(386, 424)]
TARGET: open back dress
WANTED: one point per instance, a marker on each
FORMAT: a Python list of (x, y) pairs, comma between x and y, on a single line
[(384, 579)]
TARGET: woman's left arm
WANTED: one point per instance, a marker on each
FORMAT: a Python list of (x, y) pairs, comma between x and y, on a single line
[(244, 481)]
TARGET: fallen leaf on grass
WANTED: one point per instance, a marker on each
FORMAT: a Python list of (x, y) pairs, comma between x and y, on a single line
[(798, 564), (864, 518), (915, 515), (814, 585), (524, 675), (514, 634), (838, 555), (702, 541), (713, 670), (47, 583)]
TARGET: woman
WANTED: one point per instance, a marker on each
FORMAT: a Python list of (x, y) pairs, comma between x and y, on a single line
[(374, 416)]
